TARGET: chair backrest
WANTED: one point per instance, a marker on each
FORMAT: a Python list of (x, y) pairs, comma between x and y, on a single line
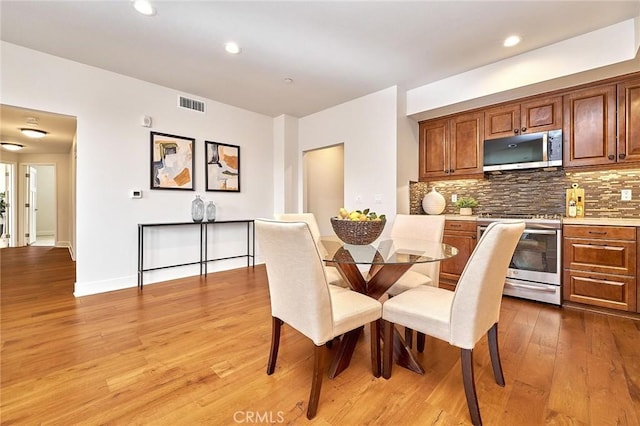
[(422, 227), (309, 219), (478, 294), (297, 283)]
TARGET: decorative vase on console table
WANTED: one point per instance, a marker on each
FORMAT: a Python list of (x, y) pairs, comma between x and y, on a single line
[(433, 202), (211, 211), (197, 209)]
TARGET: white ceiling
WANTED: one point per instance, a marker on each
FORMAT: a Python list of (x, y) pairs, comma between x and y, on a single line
[(334, 51)]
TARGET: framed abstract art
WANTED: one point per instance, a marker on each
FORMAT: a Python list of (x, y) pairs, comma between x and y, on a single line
[(222, 167), (172, 162)]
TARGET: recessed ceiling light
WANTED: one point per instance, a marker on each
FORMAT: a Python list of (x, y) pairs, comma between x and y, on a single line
[(511, 41), (232, 47), (288, 80), (11, 146), (145, 7), (33, 133)]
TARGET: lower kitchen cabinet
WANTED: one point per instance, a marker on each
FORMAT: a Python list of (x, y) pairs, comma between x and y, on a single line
[(600, 264), (462, 235)]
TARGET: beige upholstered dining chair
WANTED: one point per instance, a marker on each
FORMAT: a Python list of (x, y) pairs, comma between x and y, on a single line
[(333, 276), (422, 227), (463, 316), (301, 297)]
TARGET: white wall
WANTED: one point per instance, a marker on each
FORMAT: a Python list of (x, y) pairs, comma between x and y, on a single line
[(367, 127), (113, 158)]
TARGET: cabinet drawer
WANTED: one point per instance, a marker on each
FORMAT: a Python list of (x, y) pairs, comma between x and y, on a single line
[(609, 291), (598, 232), (460, 225), (604, 256)]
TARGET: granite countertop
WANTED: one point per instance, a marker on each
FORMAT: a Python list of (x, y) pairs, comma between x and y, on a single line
[(460, 217), (601, 221), (570, 220)]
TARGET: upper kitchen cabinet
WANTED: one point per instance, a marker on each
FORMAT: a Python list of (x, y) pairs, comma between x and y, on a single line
[(629, 121), (535, 115), (589, 129), (451, 147)]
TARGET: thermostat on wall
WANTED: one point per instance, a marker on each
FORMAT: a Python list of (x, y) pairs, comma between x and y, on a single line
[(136, 193)]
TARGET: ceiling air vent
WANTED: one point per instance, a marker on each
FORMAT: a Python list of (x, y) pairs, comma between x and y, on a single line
[(192, 104)]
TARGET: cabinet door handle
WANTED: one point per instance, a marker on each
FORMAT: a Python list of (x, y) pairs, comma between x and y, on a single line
[(612, 157), (621, 156), (452, 171), (524, 129), (598, 232), (516, 131), (473, 237)]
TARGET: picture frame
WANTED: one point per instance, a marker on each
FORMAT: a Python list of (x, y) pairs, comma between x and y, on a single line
[(222, 167), (172, 162)]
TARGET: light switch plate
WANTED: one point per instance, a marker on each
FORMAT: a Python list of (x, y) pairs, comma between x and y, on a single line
[(454, 198), (626, 195)]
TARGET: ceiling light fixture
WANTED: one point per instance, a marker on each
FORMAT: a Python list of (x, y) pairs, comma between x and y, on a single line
[(288, 80), (145, 7), (511, 41), (33, 133), (11, 146), (232, 47)]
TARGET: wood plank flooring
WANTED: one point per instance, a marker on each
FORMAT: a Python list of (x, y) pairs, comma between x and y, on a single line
[(194, 351)]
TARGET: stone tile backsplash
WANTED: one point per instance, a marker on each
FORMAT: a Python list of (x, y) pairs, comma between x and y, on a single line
[(539, 192)]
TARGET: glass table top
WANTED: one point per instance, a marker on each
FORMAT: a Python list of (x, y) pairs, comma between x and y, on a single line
[(386, 251)]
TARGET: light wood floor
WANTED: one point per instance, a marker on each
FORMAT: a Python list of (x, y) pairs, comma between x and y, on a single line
[(194, 351)]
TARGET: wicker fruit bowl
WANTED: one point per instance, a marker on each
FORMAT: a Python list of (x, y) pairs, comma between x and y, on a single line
[(357, 232)]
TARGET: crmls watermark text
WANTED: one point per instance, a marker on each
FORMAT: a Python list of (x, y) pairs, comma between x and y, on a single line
[(258, 417)]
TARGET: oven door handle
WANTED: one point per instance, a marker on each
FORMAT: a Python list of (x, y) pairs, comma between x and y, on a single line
[(540, 231), (483, 228), (547, 289)]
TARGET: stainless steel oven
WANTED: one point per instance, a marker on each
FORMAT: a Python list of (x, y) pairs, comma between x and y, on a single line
[(535, 269)]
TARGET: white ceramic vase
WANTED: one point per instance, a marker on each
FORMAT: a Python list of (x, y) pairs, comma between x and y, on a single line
[(433, 202), (466, 211)]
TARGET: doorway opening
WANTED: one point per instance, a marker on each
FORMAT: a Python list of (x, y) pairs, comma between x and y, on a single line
[(40, 207), (323, 184)]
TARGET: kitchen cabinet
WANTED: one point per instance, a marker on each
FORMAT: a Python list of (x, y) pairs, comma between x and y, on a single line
[(461, 234), (451, 147), (629, 121), (600, 264), (535, 115), (589, 129)]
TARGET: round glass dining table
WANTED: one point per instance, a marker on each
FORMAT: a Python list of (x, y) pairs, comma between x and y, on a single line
[(383, 263)]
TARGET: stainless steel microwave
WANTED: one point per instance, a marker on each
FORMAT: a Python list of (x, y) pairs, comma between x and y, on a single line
[(524, 151)]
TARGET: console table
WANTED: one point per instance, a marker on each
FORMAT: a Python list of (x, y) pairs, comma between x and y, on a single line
[(204, 258)]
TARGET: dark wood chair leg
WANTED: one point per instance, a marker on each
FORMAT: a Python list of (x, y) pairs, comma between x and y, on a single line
[(316, 383), (276, 325), (387, 356), (420, 342), (408, 337), (375, 348), (495, 354), (466, 356)]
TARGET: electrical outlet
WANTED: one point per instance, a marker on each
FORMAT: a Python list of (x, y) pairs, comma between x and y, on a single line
[(626, 195), (454, 198)]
